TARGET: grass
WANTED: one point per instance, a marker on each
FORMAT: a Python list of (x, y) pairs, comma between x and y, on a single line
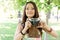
[(7, 30)]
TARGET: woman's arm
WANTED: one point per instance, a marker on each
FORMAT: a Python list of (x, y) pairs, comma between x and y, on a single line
[(18, 35), (20, 31), (48, 29)]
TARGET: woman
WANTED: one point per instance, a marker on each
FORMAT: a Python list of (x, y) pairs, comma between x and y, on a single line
[(30, 11)]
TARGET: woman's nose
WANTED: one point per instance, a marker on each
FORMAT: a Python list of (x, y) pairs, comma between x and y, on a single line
[(30, 10)]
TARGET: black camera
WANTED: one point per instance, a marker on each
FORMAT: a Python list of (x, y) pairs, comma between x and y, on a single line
[(34, 21)]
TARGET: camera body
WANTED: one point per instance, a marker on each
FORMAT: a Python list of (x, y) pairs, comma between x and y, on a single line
[(34, 21)]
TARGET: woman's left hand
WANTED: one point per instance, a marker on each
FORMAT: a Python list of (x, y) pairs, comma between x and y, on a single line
[(41, 25)]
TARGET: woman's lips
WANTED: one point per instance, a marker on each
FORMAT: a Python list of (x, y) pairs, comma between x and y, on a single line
[(29, 13)]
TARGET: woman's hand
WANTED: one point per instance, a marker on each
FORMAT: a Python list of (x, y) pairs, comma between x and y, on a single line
[(28, 24), (41, 25)]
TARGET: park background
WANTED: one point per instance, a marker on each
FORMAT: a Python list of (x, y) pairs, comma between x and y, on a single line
[(11, 12)]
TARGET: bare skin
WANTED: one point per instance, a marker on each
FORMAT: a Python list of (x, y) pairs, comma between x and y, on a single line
[(46, 28), (30, 13)]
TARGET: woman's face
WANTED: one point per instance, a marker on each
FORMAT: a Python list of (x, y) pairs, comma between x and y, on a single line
[(30, 11)]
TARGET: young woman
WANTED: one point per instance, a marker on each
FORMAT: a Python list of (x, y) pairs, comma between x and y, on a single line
[(30, 11)]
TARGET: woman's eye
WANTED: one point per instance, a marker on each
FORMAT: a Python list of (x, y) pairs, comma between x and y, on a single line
[(29, 8)]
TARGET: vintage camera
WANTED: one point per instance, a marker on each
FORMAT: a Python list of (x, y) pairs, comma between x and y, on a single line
[(34, 21)]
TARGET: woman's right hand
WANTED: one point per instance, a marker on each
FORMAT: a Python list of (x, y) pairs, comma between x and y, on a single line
[(28, 24)]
